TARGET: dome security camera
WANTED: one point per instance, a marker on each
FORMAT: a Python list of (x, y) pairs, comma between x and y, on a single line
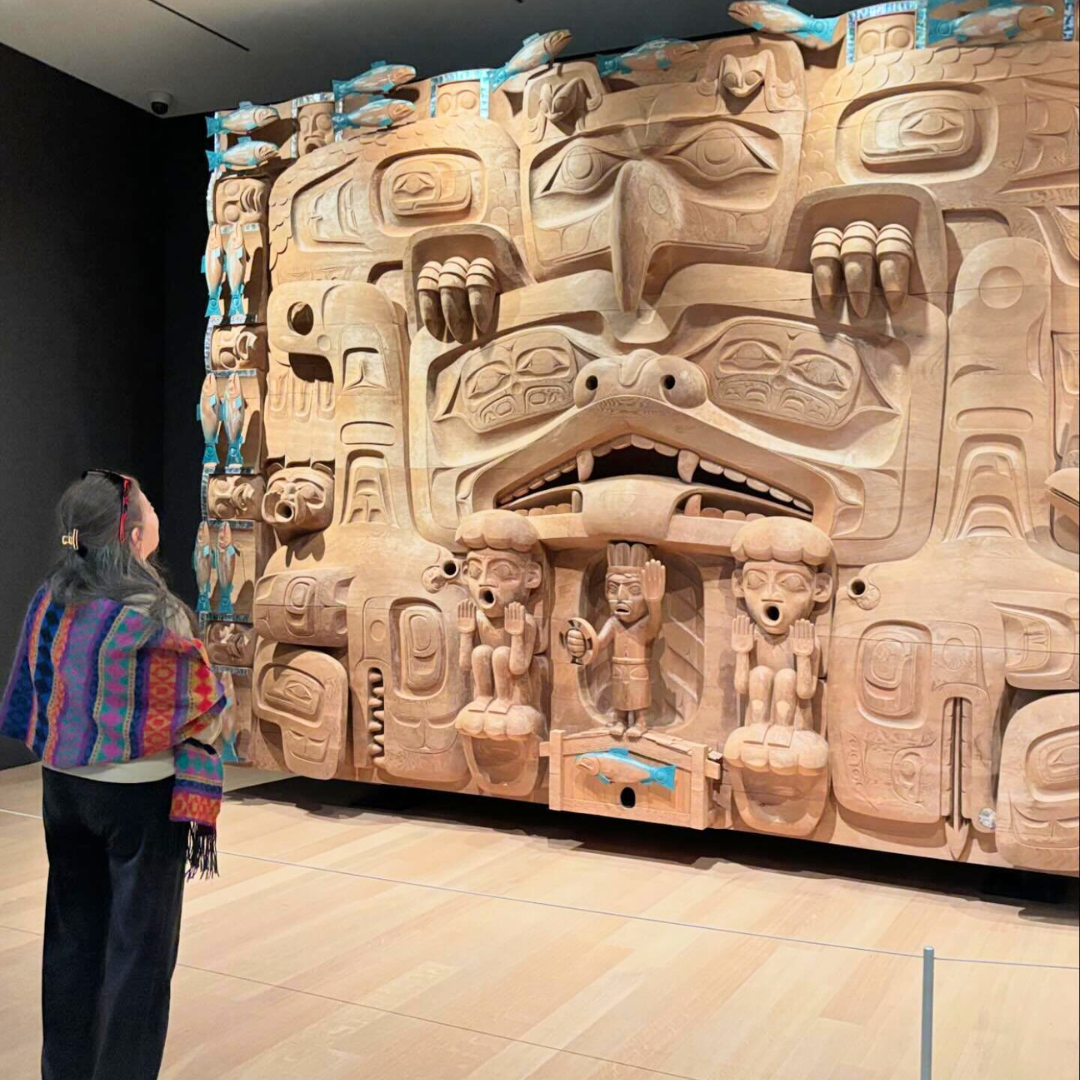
[(161, 101)]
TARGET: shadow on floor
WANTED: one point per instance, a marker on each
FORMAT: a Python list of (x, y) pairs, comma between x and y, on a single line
[(1045, 897)]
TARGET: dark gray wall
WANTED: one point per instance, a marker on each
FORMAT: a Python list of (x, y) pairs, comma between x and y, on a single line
[(81, 358)]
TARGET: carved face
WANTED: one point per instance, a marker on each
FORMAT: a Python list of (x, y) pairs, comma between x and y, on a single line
[(232, 644), (778, 594), (299, 500), (234, 497), (498, 578), (625, 594), (315, 127)]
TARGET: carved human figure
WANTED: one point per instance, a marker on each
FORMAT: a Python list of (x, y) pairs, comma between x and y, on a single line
[(634, 588), (782, 577), (500, 640)]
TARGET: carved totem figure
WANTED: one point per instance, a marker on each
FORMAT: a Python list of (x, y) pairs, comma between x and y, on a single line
[(783, 577), (501, 641), (786, 321), (634, 587)]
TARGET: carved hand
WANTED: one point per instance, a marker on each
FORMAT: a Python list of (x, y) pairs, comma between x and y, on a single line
[(514, 619), (655, 580), (575, 643), (742, 634), (466, 617), (803, 638)]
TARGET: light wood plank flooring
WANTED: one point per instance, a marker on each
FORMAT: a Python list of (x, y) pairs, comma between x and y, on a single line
[(404, 935)]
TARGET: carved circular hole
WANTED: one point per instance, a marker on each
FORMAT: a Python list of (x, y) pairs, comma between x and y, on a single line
[(857, 587), (628, 797), (487, 596), (591, 382), (668, 382), (772, 613), (285, 511), (449, 568), (301, 319)]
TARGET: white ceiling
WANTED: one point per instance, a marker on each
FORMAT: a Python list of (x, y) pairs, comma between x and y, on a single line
[(130, 47)]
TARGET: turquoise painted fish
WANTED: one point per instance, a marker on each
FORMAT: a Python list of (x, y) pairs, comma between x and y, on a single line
[(380, 78), (240, 121), (776, 17), (618, 766), (378, 113), (997, 22), (246, 154), (656, 55), (536, 50)]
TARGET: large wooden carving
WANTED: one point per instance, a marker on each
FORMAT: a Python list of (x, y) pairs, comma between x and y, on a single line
[(685, 435)]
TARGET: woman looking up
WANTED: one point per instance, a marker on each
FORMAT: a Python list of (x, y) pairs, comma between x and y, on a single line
[(111, 690)]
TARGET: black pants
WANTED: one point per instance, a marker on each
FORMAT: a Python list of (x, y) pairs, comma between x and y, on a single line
[(112, 926)]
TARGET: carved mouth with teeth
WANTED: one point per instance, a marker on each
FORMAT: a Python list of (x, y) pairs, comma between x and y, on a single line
[(716, 489)]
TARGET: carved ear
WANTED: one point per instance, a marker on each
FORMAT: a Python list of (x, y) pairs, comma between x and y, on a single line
[(822, 588), (736, 584), (534, 574)]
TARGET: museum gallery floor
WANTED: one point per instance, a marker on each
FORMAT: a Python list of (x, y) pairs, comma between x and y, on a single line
[(688, 435), (388, 934)]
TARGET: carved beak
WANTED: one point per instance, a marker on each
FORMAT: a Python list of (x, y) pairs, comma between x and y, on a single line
[(647, 210)]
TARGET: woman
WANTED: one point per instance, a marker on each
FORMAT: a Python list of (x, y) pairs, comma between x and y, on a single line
[(112, 693)]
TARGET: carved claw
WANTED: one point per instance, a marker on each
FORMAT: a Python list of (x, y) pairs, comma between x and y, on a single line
[(482, 284), (427, 299), (857, 256), (895, 252), (825, 264), (454, 297)]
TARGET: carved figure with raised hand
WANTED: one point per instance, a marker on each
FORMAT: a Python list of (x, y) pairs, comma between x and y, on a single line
[(501, 640), (784, 575), (634, 588)]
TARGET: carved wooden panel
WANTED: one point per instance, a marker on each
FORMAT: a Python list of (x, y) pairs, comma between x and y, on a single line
[(686, 435)]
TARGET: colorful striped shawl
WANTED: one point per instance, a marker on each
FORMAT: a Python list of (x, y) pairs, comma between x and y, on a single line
[(100, 683)]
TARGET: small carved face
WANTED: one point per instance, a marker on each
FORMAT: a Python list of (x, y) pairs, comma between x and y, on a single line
[(625, 593), (778, 594), (232, 644), (299, 500), (234, 497), (316, 129), (498, 578)]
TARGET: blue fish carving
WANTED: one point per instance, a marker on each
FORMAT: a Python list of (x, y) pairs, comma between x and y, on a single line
[(380, 78), (618, 766), (246, 154), (656, 55), (377, 113), (242, 120)]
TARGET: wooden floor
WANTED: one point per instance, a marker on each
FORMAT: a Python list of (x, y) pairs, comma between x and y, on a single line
[(401, 935)]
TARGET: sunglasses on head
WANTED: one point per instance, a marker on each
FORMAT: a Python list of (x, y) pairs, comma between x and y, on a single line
[(123, 487)]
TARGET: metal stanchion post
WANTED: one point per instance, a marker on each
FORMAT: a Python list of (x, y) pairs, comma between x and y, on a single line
[(926, 1058)]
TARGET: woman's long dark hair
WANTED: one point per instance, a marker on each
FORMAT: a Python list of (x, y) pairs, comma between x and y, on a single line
[(102, 565)]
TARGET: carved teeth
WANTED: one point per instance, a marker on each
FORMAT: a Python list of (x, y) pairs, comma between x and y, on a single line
[(756, 485), (621, 443), (800, 505), (536, 484), (783, 496), (455, 301), (379, 740), (551, 477), (712, 468), (688, 462), (585, 462), (602, 449), (427, 299), (482, 284), (378, 714), (641, 442), (518, 492), (734, 474), (825, 264), (374, 727), (374, 677), (693, 506), (379, 760), (663, 448), (568, 467), (895, 251), (857, 256), (575, 502), (734, 515)]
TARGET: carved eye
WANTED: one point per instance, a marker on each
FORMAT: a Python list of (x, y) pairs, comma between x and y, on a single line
[(473, 569), (750, 356), (822, 372), (487, 380), (794, 583), (723, 155), (931, 123), (542, 362), (582, 171), (754, 580)]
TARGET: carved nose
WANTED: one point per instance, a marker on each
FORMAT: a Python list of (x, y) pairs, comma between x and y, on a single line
[(669, 379)]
